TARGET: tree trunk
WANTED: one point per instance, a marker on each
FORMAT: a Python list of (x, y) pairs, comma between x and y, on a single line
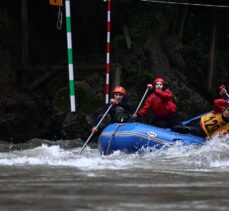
[(159, 63), (126, 35), (183, 16)]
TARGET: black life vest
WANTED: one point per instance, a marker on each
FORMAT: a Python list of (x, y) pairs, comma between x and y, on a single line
[(121, 115)]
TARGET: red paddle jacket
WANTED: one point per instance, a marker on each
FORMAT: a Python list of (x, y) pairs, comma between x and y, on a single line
[(160, 102), (219, 105)]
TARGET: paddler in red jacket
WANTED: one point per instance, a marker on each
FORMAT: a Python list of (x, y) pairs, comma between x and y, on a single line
[(210, 124), (160, 102)]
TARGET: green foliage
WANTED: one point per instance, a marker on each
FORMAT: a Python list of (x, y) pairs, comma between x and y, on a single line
[(118, 41), (92, 106), (81, 95), (194, 47), (85, 103), (144, 19), (133, 70), (61, 100)]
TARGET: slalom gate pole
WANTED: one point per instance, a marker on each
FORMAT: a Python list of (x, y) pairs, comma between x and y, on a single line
[(70, 58), (108, 51)]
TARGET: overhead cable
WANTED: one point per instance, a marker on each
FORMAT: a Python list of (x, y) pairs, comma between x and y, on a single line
[(191, 4)]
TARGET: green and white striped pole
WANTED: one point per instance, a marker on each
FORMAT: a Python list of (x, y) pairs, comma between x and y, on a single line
[(70, 58)]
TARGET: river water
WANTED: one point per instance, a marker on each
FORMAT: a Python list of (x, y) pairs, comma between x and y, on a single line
[(45, 175)]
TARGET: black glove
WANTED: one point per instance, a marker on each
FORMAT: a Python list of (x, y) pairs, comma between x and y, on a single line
[(134, 118)]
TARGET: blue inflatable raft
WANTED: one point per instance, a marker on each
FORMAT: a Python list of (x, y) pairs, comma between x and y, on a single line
[(132, 137)]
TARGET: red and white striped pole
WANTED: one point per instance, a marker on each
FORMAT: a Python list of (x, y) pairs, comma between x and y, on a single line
[(108, 50)]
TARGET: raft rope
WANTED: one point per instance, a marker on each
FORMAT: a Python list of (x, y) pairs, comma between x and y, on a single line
[(70, 58), (108, 51), (112, 136)]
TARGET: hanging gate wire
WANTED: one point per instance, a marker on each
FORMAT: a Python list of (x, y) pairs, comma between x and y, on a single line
[(59, 21)]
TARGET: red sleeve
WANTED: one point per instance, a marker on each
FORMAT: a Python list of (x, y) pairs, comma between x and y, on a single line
[(219, 105), (145, 109), (165, 95)]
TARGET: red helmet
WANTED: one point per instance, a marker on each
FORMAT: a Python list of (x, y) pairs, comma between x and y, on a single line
[(119, 89), (159, 79)]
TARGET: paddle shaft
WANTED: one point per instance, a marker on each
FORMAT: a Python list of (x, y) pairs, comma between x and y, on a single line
[(96, 128), (139, 105), (227, 94)]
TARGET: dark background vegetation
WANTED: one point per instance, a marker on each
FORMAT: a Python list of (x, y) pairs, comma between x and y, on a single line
[(188, 45)]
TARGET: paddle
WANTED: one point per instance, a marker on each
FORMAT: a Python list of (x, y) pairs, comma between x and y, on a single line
[(227, 94), (96, 128), (143, 97)]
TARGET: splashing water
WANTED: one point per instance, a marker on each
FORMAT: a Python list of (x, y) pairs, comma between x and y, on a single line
[(44, 175), (213, 156)]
